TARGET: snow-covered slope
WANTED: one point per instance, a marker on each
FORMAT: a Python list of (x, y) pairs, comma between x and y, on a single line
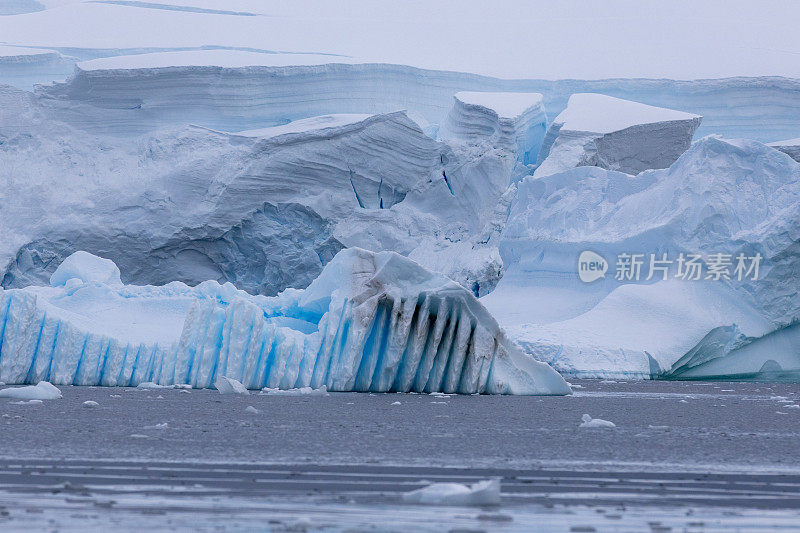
[(513, 121), (370, 322), (602, 131), (720, 197), (789, 146)]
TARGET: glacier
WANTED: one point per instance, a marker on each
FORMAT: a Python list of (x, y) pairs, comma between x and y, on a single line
[(370, 322), (599, 130), (252, 158), (721, 196)]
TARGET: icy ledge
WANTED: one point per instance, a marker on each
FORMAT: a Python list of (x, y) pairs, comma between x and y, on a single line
[(607, 132), (369, 322)]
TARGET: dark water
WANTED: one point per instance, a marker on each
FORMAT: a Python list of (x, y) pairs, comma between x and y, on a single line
[(685, 456)]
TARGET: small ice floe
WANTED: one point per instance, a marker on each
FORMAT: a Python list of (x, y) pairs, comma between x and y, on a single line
[(659, 428), (162, 425), (575, 385), (250, 409), (589, 422), (485, 492), (115, 396), (149, 385), (27, 402), (683, 401), (44, 390), (139, 436), (226, 385), (90, 404), (302, 391), (795, 406), (440, 395), (396, 403)]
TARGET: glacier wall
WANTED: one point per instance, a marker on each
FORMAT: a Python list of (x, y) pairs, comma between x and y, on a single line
[(264, 209), (369, 322), (123, 100)]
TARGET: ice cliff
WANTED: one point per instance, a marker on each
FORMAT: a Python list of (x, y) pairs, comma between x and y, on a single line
[(369, 322), (262, 208), (602, 131), (237, 90), (727, 197)]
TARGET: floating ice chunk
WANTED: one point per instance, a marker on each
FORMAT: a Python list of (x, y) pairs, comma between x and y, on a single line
[(485, 492), (89, 404), (27, 402), (41, 391), (162, 425), (396, 403), (589, 422), (608, 132), (88, 268), (302, 391), (226, 385), (149, 385), (250, 409)]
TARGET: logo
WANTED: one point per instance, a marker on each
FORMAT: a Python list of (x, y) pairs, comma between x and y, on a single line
[(591, 266)]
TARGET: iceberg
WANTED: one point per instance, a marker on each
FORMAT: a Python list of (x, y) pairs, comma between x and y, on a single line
[(370, 322), (730, 197), (607, 132)]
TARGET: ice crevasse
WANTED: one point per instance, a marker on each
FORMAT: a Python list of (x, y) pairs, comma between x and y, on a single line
[(369, 322)]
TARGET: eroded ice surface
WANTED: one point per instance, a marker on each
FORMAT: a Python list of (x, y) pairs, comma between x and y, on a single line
[(513, 121), (369, 322)]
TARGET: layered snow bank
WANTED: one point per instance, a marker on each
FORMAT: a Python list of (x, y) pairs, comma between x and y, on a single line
[(233, 90), (728, 197), (791, 147), (513, 121), (607, 132), (369, 322)]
